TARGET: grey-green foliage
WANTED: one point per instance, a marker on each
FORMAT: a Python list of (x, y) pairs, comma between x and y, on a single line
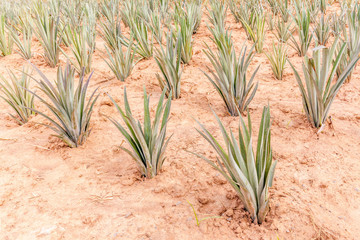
[(156, 24), (323, 5), (351, 36), (22, 33), (244, 11), (110, 31), (193, 13), (283, 30), (54, 7), (147, 142), (273, 4), (143, 27), (6, 41), (270, 21), (180, 11), (65, 33), (277, 59), (12, 8), (129, 11), (337, 23), (77, 14), (222, 40), (82, 51), (70, 112), (312, 7), (71, 16), (217, 13), (164, 5), (230, 75), (154, 17), (284, 10), (111, 11), (234, 9), (256, 32), (90, 23), (15, 94), (249, 174), (140, 32), (169, 63), (302, 20), (320, 90), (322, 30), (47, 30), (246, 15), (185, 30), (119, 61)]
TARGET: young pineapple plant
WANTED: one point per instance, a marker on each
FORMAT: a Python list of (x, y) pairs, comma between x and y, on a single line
[(169, 63), (273, 4), (243, 11), (234, 9), (283, 31), (352, 39), (337, 24), (322, 30), (119, 61), (270, 21), (320, 90), (22, 33), (111, 9), (140, 32), (82, 51), (257, 33), (70, 111), (345, 60), (217, 14), (164, 5), (193, 13), (47, 30), (230, 76), (6, 41), (148, 142), (222, 40), (250, 175), (55, 7), (79, 14), (277, 60), (313, 7), (154, 18), (283, 7), (72, 12), (248, 20), (128, 11), (185, 30), (71, 16), (110, 32), (109, 24), (90, 23), (15, 94), (302, 21)]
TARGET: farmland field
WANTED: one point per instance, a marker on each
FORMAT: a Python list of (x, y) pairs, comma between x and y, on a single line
[(50, 189)]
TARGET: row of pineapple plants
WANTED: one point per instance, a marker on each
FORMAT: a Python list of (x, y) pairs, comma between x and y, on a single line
[(77, 29), (251, 174)]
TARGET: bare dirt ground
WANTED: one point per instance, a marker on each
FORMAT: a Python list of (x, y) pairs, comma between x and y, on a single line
[(50, 191)]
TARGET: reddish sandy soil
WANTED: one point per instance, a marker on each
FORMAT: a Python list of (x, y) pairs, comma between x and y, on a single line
[(50, 191)]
